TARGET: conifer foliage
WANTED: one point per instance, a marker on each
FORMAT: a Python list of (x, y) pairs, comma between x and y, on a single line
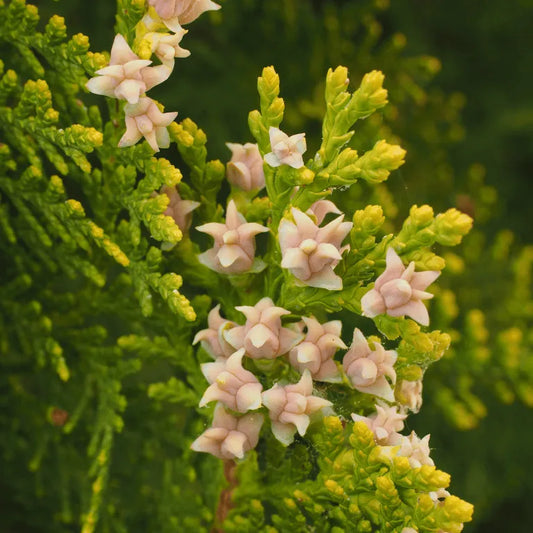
[(114, 260)]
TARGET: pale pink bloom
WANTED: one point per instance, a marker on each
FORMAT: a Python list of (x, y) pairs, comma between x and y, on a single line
[(144, 119), (286, 150), (385, 423), (399, 291), (176, 12), (233, 251), (368, 368), (310, 252), (290, 406), (229, 437), (410, 394), (231, 384), (180, 210), (166, 46), (245, 169), (315, 352), (415, 449), (409, 530), (263, 336), (212, 338), (126, 77), (321, 208)]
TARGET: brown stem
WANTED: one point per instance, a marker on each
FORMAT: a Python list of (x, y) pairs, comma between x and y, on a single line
[(224, 502)]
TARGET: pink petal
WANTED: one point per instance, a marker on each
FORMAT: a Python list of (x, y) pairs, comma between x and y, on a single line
[(153, 76), (294, 160), (250, 425), (314, 404), (326, 279), (306, 226), (129, 90), (131, 68), (393, 270), (235, 336), (380, 388), (274, 399), (272, 160), (233, 445), (422, 280), (230, 254), (414, 309), (321, 208), (372, 304), (121, 52), (249, 397), (300, 421), (283, 432), (288, 339), (102, 85)]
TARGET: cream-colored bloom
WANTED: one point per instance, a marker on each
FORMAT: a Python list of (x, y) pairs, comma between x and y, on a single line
[(311, 252), (144, 119), (126, 77), (286, 150), (321, 208), (315, 352), (233, 251), (263, 336), (399, 291), (166, 46), (245, 169), (231, 384), (180, 210), (229, 437), (415, 449), (212, 338), (174, 13), (385, 423), (369, 367), (290, 406), (410, 394)]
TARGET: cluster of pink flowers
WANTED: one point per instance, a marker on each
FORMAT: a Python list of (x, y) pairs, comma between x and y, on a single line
[(128, 77), (309, 347)]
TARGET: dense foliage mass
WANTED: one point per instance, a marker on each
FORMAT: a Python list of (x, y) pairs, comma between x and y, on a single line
[(113, 261)]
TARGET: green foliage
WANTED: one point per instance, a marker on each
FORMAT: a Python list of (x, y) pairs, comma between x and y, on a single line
[(97, 364)]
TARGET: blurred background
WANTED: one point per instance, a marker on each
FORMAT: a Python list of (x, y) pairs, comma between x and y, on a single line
[(459, 79)]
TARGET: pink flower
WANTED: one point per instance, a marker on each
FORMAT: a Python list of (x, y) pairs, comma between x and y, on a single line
[(385, 423), (399, 291), (415, 449), (290, 406), (144, 119), (315, 353), (231, 384), (229, 437), (245, 169), (410, 394), (126, 77), (263, 336), (311, 253), (180, 210), (212, 338), (234, 249), (176, 12), (166, 46), (286, 150), (367, 367)]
